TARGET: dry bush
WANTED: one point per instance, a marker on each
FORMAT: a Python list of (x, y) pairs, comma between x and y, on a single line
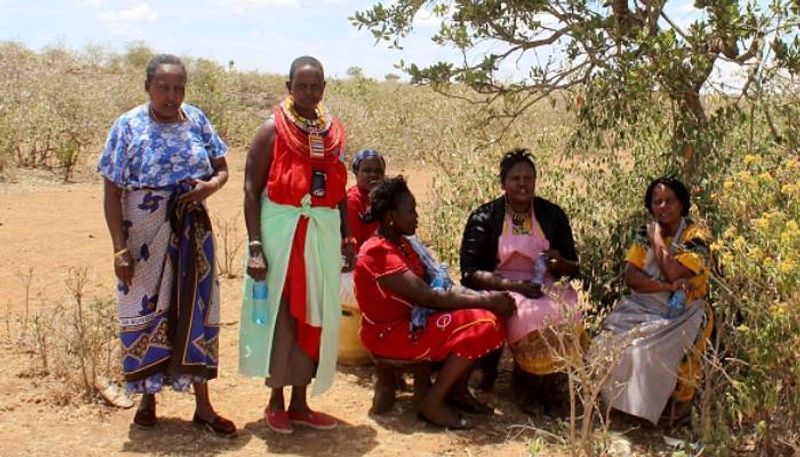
[(57, 105), (74, 341), (43, 325), (588, 369), (54, 112), (27, 280), (231, 241)]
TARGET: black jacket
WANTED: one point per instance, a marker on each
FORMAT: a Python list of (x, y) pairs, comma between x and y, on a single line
[(485, 224)]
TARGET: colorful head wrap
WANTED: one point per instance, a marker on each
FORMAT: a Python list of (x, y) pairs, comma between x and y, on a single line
[(363, 155)]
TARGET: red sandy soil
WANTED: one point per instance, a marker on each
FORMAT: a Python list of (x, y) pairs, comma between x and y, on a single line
[(52, 226)]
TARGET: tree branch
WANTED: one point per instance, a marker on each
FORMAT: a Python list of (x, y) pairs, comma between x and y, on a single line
[(524, 42)]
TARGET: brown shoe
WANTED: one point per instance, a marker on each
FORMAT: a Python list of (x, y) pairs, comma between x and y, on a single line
[(145, 417), (219, 426)]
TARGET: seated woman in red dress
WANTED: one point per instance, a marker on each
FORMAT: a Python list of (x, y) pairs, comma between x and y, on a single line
[(368, 167), (390, 280)]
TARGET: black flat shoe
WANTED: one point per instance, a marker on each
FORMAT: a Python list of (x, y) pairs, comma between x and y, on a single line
[(145, 417), (219, 426)]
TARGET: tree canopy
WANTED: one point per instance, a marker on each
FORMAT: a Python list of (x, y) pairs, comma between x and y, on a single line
[(617, 54)]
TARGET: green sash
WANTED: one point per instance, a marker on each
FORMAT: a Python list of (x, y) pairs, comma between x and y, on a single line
[(323, 264)]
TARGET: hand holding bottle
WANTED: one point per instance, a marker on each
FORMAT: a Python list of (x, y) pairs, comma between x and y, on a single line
[(260, 305)]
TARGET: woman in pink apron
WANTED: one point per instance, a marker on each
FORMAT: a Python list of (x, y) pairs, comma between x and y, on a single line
[(502, 242), (517, 256)]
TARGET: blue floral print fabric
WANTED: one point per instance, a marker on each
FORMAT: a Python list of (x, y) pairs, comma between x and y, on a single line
[(141, 153)]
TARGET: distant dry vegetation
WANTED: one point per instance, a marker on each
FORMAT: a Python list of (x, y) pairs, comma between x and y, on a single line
[(57, 105)]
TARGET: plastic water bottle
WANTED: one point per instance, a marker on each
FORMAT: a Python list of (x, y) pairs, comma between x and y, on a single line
[(260, 294), (677, 303), (440, 280), (539, 270)]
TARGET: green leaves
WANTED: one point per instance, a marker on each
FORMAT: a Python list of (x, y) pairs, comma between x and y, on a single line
[(787, 53), (388, 24), (622, 57)]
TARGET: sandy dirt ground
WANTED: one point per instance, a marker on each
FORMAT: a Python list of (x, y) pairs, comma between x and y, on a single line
[(51, 226)]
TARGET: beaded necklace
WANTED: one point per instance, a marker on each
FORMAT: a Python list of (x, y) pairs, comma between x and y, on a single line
[(320, 124), (518, 218), (314, 128)]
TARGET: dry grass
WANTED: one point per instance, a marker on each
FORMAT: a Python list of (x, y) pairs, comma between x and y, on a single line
[(72, 342)]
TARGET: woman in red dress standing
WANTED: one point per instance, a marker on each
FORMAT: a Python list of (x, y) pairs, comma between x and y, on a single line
[(390, 281), (295, 211)]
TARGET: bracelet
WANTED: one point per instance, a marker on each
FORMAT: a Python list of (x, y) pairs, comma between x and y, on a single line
[(349, 240), (120, 252), (254, 243)]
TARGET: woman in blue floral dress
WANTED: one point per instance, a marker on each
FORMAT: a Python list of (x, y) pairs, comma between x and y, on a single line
[(160, 162)]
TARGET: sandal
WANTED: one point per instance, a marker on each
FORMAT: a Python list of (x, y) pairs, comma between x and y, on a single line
[(145, 417), (112, 393), (219, 426), (460, 424)]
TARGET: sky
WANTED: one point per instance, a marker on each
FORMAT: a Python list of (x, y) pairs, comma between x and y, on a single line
[(264, 35)]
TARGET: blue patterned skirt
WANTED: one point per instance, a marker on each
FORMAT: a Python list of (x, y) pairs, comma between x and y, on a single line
[(169, 315)]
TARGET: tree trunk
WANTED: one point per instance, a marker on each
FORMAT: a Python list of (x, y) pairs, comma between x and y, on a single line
[(691, 123)]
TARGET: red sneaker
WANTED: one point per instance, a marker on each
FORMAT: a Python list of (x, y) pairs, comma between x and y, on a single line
[(313, 419), (278, 421)]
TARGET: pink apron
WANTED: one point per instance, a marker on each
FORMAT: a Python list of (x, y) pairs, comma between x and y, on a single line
[(517, 256)]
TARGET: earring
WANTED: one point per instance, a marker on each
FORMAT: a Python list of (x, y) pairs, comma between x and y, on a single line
[(391, 223)]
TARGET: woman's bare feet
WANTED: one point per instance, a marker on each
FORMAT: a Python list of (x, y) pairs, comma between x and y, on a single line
[(442, 416), (469, 404)]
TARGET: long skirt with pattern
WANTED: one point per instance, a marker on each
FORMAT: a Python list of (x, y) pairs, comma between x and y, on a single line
[(169, 315)]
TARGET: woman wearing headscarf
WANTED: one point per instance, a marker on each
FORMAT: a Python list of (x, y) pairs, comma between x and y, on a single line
[(369, 168), (160, 163)]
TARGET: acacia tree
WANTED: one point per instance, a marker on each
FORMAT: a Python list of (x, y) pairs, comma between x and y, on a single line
[(620, 55)]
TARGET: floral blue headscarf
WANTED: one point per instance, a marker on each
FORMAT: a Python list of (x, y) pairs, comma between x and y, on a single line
[(363, 155)]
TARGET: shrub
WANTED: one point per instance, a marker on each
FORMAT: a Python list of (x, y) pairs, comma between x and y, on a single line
[(74, 342)]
